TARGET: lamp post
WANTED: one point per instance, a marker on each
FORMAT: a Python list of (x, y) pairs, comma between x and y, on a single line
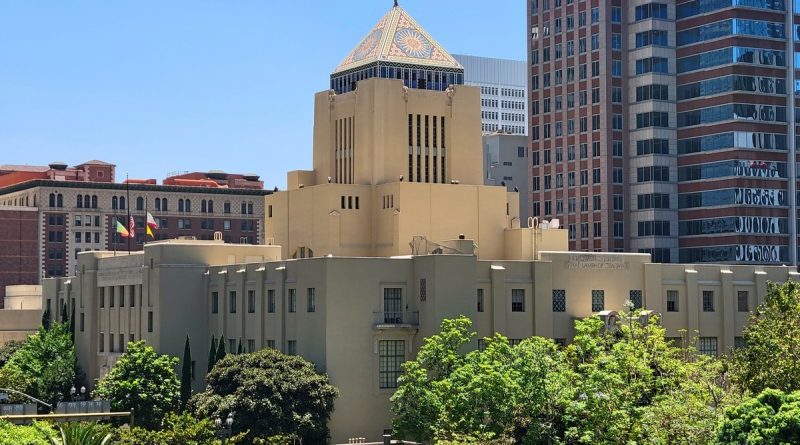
[(224, 427)]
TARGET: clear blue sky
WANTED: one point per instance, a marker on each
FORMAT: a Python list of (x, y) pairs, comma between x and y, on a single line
[(159, 86)]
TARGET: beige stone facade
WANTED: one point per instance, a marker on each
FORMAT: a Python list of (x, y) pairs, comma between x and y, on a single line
[(349, 315)]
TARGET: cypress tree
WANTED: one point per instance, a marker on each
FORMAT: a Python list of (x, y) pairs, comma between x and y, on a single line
[(46, 320), (186, 374), (64, 317), (240, 349), (72, 324), (220, 349), (212, 354)]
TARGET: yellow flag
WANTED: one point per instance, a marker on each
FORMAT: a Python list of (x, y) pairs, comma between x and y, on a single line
[(150, 232)]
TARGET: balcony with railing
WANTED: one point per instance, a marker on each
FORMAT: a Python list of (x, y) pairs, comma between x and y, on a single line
[(395, 320)]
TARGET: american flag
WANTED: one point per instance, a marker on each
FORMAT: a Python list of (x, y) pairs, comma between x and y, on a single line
[(132, 227)]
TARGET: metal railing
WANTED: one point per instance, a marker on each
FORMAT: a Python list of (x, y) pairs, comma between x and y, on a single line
[(397, 318)]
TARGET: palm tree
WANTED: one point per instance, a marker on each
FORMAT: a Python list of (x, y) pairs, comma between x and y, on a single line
[(81, 434)]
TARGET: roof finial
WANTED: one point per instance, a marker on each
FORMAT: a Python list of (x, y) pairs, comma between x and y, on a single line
[(395, 4)]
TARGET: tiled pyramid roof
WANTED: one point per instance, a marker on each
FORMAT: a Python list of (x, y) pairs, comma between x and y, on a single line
[(398, 38)]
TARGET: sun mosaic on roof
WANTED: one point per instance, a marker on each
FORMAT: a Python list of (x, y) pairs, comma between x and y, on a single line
[(398, 38)]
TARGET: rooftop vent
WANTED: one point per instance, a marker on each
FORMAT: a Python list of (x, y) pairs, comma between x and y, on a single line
[(58, 165)]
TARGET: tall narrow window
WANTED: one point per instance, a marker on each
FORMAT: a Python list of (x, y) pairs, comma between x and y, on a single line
[(271, 300), (292, 300), (291, 347), (251, 301), (214, 302), (559, 300), (232, 302), (636, 299), (311, 296), (391, 357), (598, 300), (392, 305), (517, 300), (480, 300), (708, 301), (150, 321)]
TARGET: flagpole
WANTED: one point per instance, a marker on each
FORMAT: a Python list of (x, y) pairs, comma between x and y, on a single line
[(128, 198)]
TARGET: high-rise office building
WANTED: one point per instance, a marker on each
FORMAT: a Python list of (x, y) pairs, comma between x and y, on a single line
[(661, 127), (504, 95)]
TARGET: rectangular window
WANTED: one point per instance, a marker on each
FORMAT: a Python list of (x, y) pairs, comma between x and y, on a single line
[(271, 300), (423, 289), (251, 301), (292, 300), (312, 299), (150, 321), (672, 301), (232, 302), (707, 346), (598, 300), (517, 300), (251, 345), (214, 302), (391, 356), (232, 346), (101, 343), (708, 301), (480, 300), (82, 321), (739, 343), (271, 344), (743, 301), (636, 299), (559, 300)]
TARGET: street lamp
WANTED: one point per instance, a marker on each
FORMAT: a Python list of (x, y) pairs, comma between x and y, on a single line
[(224, 428)]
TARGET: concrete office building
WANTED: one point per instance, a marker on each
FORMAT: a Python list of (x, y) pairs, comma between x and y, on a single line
[(505, 163), (661, 127), (50, 214), (504, 92)]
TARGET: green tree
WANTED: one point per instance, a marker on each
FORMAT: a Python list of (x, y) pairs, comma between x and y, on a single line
[(269, 393), (771, 418), (178, 429), (186, 374), (46, 319), (212, 354), (72, 325), (142, 381), (8, 349), (772, 356), (45, 366), (220, 350)]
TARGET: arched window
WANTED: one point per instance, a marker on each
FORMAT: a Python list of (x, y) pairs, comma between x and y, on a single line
[(34, 200), (94, 201), (210, 206), (27, 202), (80, 202), (86, 201), (122, 202), (158, 203), (139, 203), (114, 202), (60, 200), (244, 208), (188, 205), (164, 206), (180, 205), (52, 200), (203, 206), (249, 208)]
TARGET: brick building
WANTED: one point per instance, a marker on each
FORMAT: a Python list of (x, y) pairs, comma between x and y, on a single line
[(19, 247), (66, 211), (665, 127)]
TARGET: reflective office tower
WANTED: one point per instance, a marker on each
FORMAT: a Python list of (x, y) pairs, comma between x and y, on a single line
[(504, 95), (661, 127)]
